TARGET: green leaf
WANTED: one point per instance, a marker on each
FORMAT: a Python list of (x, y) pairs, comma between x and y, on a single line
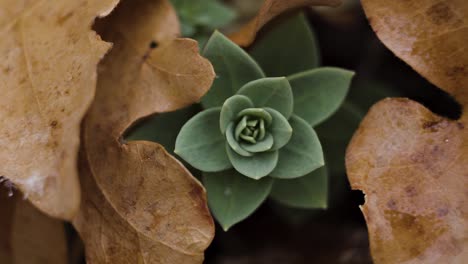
[(257, 112), (231, 107), (255, 167), (211, 14), (303, 153), (260, 146), (201, 38), (319, 93), (187, 29), (214, 14), (286, 47), (232, 142), (280, 129), (275, 93), (232, 197), (241, 125), (201, 144), (233, 68), (309, 191)]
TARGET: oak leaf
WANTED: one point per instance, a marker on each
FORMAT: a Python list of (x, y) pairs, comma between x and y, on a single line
[(268, 11), (140, 205), (412, 164), (27, 235), (47, 81)]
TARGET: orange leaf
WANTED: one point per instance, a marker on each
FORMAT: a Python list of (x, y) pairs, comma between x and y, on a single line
[(268, 11), (137, 198), (412, 164), (29, 236), (47, 81)]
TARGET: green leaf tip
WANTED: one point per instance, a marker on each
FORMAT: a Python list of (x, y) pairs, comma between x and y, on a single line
[(233, 197), (302, 154), (318, 93), (233, 68), (260, 113), (233, 143), (307, 192), (291, 42), (275, 93), (231, 107), (256, 166), (201, 144), (280, 129)]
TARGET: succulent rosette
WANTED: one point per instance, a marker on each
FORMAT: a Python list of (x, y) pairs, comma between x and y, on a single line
[(255, 132), (255, 137)]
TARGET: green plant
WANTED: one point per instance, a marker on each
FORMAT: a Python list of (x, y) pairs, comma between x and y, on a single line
[(255, 137), (199, 18)]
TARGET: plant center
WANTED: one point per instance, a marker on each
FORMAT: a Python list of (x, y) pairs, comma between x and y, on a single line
[(252, 124)]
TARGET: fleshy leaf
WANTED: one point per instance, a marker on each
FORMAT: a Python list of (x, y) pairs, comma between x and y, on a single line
[(303, 153), (286, 47), (201, 144), (269, 10), (233, 68), (258, 112), (275, 93), (241, 125), (318, 93), (48, 69), (260, 146), (280, 129), (309, 191), (211, 14), (255, 167), (232, 197), (231, 107), (232, 142)]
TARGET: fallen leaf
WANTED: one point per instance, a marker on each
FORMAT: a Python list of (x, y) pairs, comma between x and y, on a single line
[(268, 11), (140, 204), (29, 236), (412, 164), (47, 81), (171, 237), (429, 35)]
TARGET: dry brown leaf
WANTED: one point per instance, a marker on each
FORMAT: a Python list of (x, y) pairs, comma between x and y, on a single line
[(47, 81), (429, 35), (412, 164), (27, 236), (269, 10), (140, 205)]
